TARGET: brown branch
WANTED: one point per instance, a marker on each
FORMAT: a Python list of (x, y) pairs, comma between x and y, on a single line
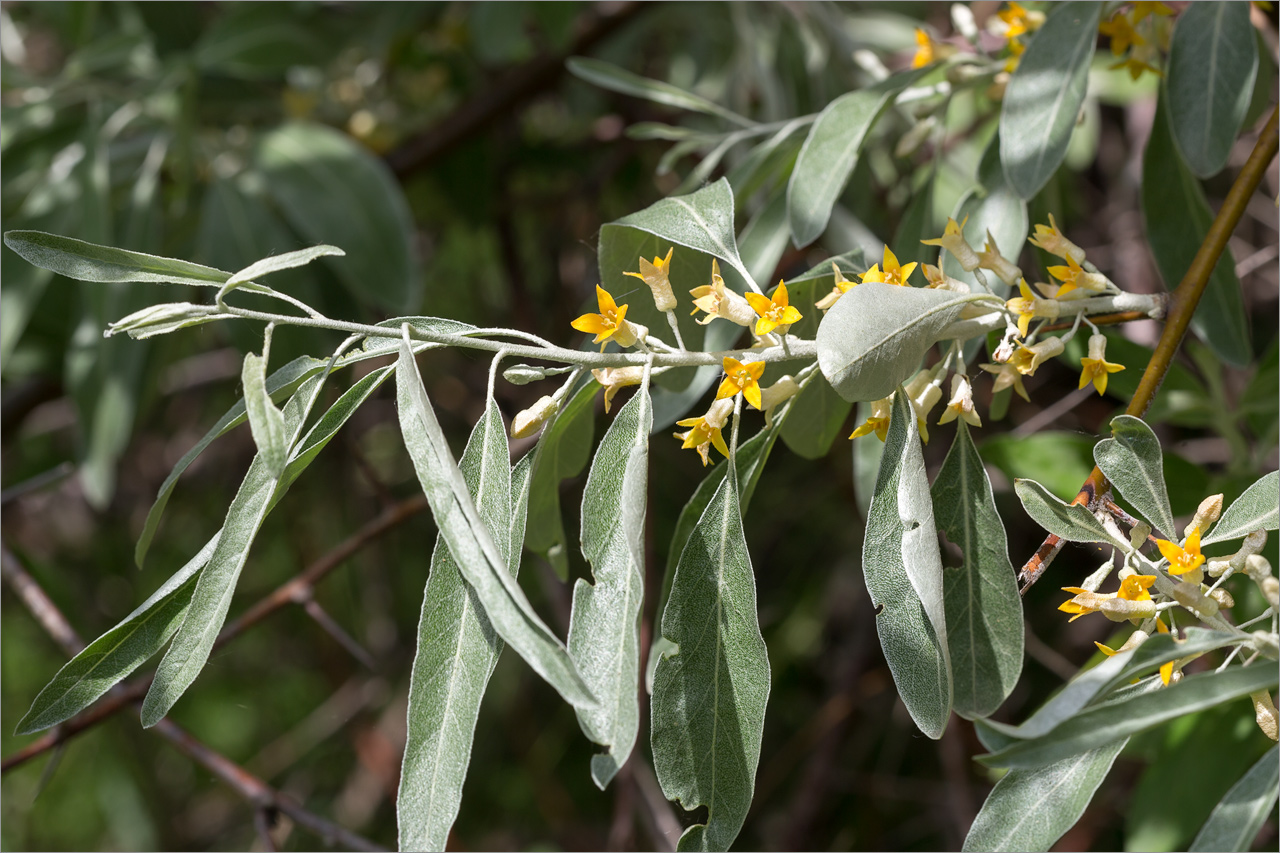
[(513, 89), (252, 789)]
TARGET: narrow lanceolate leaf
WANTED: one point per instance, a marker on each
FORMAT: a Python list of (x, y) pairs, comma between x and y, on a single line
[(830, 153), (457, 650), (609, 76), (276, 263), (702, 220), (984, 610), (482, 565), (1132, 460), (1257, 509), (709, 694), (1121, 718), (903, 572), (1044, 96), (212, 596), (873, 338), (91, 262), (1071, 522), (113, 656), (265, 420), (1238, 816), (1178, 218), (604, 629), (1212, 62), (563, 451), (1031, 808)]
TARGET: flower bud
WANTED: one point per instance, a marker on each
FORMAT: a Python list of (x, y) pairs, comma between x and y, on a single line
[(529, 421), (1207, 513), (1270, 591), (952, 240), (938, 280), (614, 379), (164, 318), (1264, 711), (719, 412), (776, 394), (1223, 598), (1123, 610)]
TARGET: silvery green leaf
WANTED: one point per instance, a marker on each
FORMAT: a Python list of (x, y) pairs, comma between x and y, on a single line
[(609, 76), (820, 413), (903, 573), (275, 263), (604, 628), (457, 650), (563, 451), (984, 610), (1239, 815), (481, 564), (764, 239), (433, 325), (873, 338), (709, 695), (830, 152), (1212, 63), (265, 420), (91, 262), (1257, 509), (1072, 522), (701, 220), (118, 652), (1044, 95), (212, 595), (1119, 719), (1132, 460), (1031, 808), (167, 317)]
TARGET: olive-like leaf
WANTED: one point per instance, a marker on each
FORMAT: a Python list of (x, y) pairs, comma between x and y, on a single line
[(1072, 522), (1133, 461), (91, 262), (1239, 815), (1257, 509), (609, 76)]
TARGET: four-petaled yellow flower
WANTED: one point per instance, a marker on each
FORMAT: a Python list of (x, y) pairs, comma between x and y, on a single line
[(720, 301), (1185, 558), (879, 420), (1132, 589), (893, 272), (701, 437), (741, 377), (924, 50), (1145, 8), (656, 276), (1017, 20), (1073, 277), (1028, 306), (773, 312), (1049, 238), (842, 286), (1096, 368), (953, 241), (1120, 29), (1007, 375), (611, 322)]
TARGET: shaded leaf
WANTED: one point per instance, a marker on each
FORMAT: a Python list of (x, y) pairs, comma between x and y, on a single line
[(903, 573), (265, 420), (91, 262), (563, 451), (1133, 461), (819, 414), (609, 76), (1239, 815), (1044, 96)]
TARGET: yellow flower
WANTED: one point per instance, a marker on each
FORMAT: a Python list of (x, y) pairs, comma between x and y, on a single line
[(741, 377), (1029, 358), (1096, 368), (609, 323), (1136, 67), (879, 420), (614, 379), (1120, 29), (1028, 306), (1182, 559), (1052, 241), (1006, 375), (927, 50), (991, 259), (953, 241), (1166, 669), (704, 432), (656, 276), (842, 286), (773, 312), (1074, 276), (720, 301), (1133, 589), (938, 280), (1145, 8), (893, 273), (961, 405)]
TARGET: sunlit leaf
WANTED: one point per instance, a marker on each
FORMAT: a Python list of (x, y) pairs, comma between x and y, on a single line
[(265, 420), (1072, 522), (1132, 460), (1257, 509), (90, 262)]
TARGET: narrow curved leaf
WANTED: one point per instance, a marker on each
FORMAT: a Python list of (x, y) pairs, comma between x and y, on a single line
[(1119, 719), (1133, 461), (1239, 815), (91, 262), (1072, 522), (1044, 96), (118, 652), (709, 694), (903, 572), (1178, 219), (1257, 509), (984, 610), (873, 338), (457, 650), (1213, 59), (211, 598), (265, 420), (604, 627), (1031, 808), (563, 451), (481, 563), (276, 263), (609, 76), (830, 152)]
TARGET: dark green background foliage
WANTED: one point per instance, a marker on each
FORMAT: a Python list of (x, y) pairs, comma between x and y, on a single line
[(467, 174)]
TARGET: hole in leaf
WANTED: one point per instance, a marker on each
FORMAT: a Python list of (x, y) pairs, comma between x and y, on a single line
[(689, 818), (952, 554)]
